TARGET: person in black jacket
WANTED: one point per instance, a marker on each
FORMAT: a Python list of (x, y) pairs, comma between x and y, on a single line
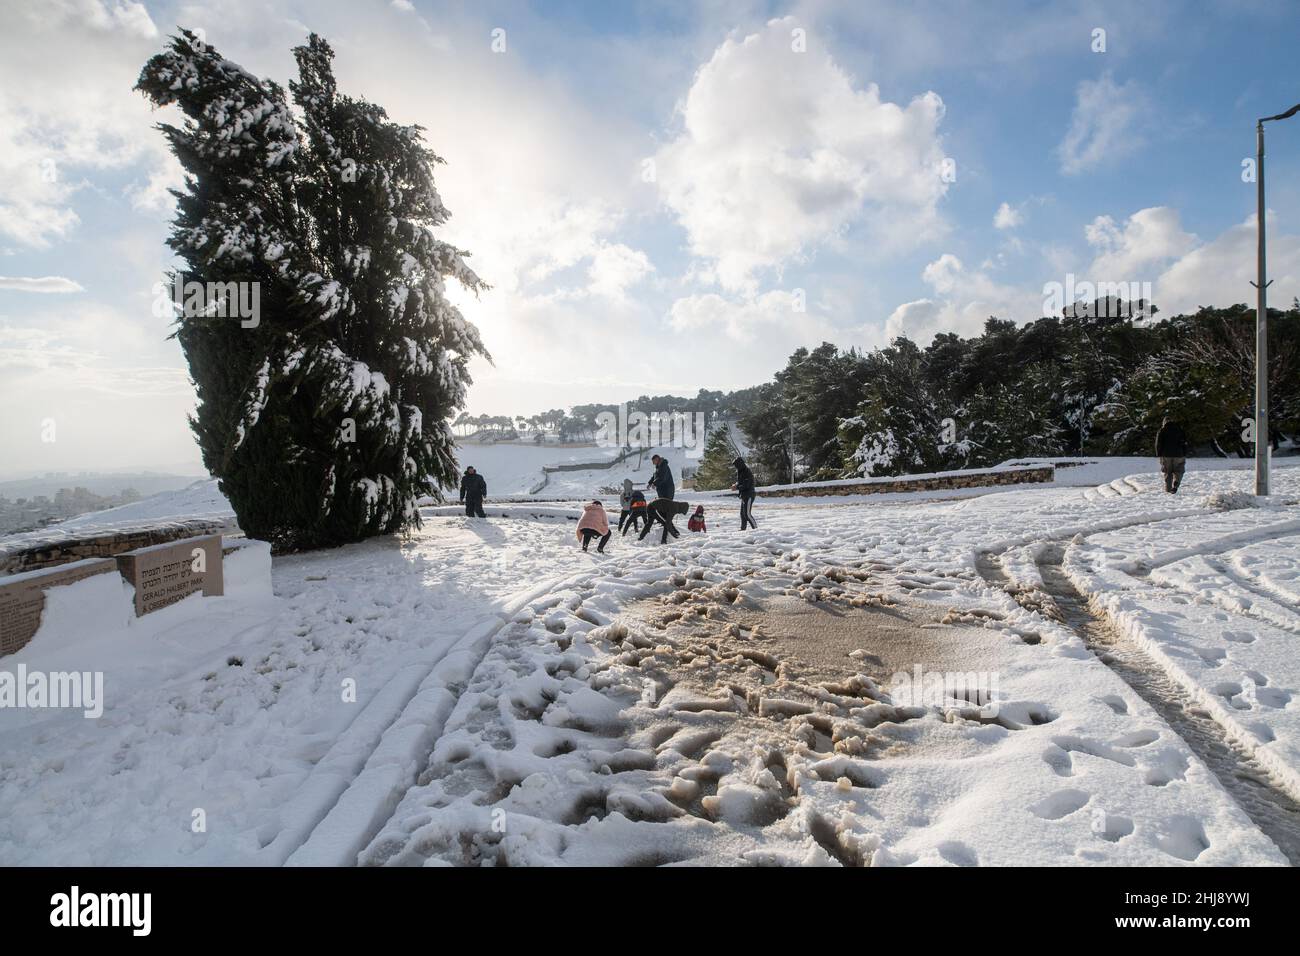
[(1171, 449), (663, 510), (662, 480), (745, 486), (473, 489)]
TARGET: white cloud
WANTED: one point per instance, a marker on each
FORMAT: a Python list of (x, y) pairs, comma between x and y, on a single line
[(49, 284), (539, 186), (1008, 216), (155, 194), (1105, 125), (1148, 246), (780, 152), (66, 107), (740, 318), (114, 16), (1219, 272), (69, 350), (736, 341), (1147, 239), (616, 267), (962, 300)]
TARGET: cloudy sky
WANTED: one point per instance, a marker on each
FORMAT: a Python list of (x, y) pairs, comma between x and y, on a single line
[(664, 196)]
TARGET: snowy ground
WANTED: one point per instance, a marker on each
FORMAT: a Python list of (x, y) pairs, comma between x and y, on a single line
[(728, 698), (513, 470)]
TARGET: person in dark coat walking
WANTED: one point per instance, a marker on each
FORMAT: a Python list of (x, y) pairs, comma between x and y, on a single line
[(745, 487), (473, 489), (1171, 449)]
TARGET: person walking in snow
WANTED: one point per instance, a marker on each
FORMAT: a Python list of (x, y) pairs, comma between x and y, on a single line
[(697, 520), (745, 486), (1171, 449), (594, 523), (473, 489)]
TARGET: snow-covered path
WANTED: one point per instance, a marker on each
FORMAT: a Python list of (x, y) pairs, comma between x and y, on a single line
[(726, 698)]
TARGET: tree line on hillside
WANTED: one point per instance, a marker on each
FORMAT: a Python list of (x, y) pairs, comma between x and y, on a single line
[(582, 422), (1092, 381), (1096, 380)]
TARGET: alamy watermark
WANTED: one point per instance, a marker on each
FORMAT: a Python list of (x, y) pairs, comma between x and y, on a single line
[(941, 689), (637, 429), (75, 690), (1111, 300), (133, 911), (216, 300)]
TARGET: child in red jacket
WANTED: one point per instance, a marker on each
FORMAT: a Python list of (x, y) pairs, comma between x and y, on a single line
[(697, 520)]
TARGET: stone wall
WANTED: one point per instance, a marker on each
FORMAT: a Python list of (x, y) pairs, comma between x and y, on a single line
[(593, 465), (981, 479), (50, 549)]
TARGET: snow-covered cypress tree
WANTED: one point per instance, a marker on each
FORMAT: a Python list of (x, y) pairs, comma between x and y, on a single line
[(328, 416)]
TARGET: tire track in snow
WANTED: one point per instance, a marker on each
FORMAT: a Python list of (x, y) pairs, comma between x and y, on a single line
[(364, 803), (1250, 784), (1254, 586)]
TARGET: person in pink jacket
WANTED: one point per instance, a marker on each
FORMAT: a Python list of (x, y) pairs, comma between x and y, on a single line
[(594, 523)]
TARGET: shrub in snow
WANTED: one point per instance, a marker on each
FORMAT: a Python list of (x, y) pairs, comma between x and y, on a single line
[(326, 418), (896, 427), (1230, 500)]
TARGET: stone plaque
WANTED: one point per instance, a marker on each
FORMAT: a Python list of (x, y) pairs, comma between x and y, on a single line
[(22, 598), (166, 573)]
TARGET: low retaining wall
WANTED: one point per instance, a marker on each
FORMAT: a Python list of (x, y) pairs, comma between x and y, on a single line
[(49, 548), (594, 465), (99, 597), (938, 482)]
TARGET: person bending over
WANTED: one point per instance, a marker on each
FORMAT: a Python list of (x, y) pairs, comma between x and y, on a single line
[(594, 523)]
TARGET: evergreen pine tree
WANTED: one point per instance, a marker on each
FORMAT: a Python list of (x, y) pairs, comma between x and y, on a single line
[(716, 469), (1005, 421), (327, 417), (896, 429), (768, 427)]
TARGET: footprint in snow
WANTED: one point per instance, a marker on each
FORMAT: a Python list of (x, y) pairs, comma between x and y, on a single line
[(1060, 804)]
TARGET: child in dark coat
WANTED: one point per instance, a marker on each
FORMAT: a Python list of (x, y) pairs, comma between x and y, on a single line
[(697, 520)]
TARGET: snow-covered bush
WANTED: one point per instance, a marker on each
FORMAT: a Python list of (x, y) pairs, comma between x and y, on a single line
[(1231, 500)]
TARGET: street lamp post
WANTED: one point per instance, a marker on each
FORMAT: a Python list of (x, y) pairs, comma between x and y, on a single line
[(1263, 446)]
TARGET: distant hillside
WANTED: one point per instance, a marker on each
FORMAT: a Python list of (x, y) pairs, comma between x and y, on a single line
[(99, 482)]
